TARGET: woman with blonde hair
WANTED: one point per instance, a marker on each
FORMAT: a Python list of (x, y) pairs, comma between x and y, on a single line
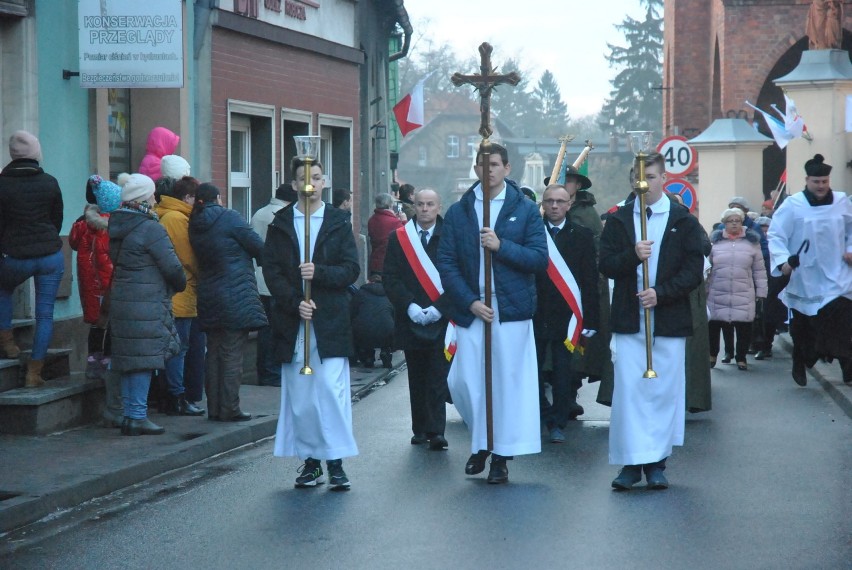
[(737, 280)]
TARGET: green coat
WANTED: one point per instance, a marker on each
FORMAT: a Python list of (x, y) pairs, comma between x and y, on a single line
[(698, 355)]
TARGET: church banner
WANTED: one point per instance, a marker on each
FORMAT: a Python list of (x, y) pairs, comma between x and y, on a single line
[(130, 44)]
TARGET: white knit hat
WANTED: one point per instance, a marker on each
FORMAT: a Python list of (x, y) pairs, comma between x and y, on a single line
[(137, 188), (23, 144), (174, 166)]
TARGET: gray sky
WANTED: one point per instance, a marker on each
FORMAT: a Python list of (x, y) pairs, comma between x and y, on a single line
[(568, 37)]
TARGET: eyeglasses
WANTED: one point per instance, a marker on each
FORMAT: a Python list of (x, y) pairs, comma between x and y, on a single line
[(556, 202), (734, 221)]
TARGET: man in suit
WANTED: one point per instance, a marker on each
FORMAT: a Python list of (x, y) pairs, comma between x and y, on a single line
[(419, 305), (575, 244)]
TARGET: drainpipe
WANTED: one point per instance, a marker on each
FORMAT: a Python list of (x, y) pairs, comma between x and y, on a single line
[(407, 31)]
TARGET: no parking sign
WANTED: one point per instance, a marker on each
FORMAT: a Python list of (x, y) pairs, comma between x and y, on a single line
[(684, 189), (680, 158)]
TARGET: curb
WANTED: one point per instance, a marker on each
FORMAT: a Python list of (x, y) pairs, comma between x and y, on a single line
[(826, 375), (23, 510)]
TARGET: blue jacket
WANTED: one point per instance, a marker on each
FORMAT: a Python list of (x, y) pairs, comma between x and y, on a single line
[(522, 253), (225, 245)]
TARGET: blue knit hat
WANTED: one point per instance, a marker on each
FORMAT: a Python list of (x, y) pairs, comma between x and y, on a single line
[(107, 194)]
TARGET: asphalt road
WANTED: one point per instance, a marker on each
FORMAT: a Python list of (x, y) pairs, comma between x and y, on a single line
[(762, 482)]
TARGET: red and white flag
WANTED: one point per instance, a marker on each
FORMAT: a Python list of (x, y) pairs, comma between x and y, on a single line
[(565, 283), (409, 110)]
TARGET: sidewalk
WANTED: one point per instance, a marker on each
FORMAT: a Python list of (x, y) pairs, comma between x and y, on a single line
[(44, 474)]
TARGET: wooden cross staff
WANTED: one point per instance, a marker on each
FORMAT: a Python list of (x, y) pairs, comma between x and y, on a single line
[(485, 82)]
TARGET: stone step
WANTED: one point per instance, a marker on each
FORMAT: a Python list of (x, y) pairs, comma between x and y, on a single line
[(60, 404), (12, 371)]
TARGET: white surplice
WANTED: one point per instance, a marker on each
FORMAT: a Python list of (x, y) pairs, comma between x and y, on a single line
[(315, 418), (514, 373), (648, 414), (823, 275)]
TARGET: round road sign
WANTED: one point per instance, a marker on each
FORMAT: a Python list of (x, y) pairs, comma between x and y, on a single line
[(679, 157), (684, 189)]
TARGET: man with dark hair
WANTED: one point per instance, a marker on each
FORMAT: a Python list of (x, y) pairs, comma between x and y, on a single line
[(810, 241), (268, 371), (341, 198), (518, 248), (414, 287), (406, 200), (648, 414), (315, 420)]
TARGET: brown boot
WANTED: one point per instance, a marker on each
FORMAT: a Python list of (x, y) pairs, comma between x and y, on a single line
[(7, 344), (34, 379)]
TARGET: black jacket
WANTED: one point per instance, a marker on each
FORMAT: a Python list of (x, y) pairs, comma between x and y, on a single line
[(336, 267), (577, 246), (679, 271), (372, 317), (30, 210), (403, 288), (225, 245)]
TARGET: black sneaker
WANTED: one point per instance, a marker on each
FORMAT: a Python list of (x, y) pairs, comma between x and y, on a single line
[(310, 474), (337, 476)]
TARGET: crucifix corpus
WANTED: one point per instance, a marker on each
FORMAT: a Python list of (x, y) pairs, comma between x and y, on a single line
[(485, 82)]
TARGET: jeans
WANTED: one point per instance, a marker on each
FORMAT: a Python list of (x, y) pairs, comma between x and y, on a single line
[(193, 367), (175, 364), (48, 272), (134, 393)]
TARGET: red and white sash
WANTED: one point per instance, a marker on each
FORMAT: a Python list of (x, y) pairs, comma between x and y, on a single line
[(567, 286), (426, 274)]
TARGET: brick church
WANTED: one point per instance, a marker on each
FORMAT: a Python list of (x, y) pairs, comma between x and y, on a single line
[(720, 53)]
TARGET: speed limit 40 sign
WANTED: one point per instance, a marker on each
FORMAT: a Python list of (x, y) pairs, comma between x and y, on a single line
[(680, 158)]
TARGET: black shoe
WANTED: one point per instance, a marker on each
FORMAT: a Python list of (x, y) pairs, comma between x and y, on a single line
[(238, 417), (575, 410), (627, 477), (763, 354), (728, 358), (800, 375), (846, 369), (310, 474), (125, 422), (656, 480), (476, 462), (387, 359), (188, 408), (499, 472), (337, 476), (438, 442), (142, 427), (419, 439)]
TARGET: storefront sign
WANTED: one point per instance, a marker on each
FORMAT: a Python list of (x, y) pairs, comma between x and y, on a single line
[(130, 44)]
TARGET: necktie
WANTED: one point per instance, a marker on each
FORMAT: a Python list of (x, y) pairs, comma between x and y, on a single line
[(648, 212), (553, 231), (423, 240)]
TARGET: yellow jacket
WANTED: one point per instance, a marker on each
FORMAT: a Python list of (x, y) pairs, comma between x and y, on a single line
[(174, 215)]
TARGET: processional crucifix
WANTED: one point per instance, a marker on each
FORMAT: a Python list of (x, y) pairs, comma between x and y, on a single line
[(485, 82)]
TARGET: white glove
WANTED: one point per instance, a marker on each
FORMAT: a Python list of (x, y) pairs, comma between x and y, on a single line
[(431, 315), (588, 333), (415, 313)]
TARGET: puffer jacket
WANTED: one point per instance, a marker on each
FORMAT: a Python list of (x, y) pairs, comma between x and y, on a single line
[(522, 254), (90, 239), (737, 277), (225, 246), (31, 211), (174, 215), (147, 273), (161, 141)]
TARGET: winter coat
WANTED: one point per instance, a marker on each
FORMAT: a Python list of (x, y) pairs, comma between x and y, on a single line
[(225, 246), (403, 288), (147, 273), (336, 267), (679, 271), (750, 224), (379, 227), (737, 277), (161, 141), (522, 254), (577, 247), (260, 223), (31, 211), (372, 317), (174, 215), (90, 239)]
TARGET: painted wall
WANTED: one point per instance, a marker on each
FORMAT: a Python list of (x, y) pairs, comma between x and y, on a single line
[(330, 20)]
